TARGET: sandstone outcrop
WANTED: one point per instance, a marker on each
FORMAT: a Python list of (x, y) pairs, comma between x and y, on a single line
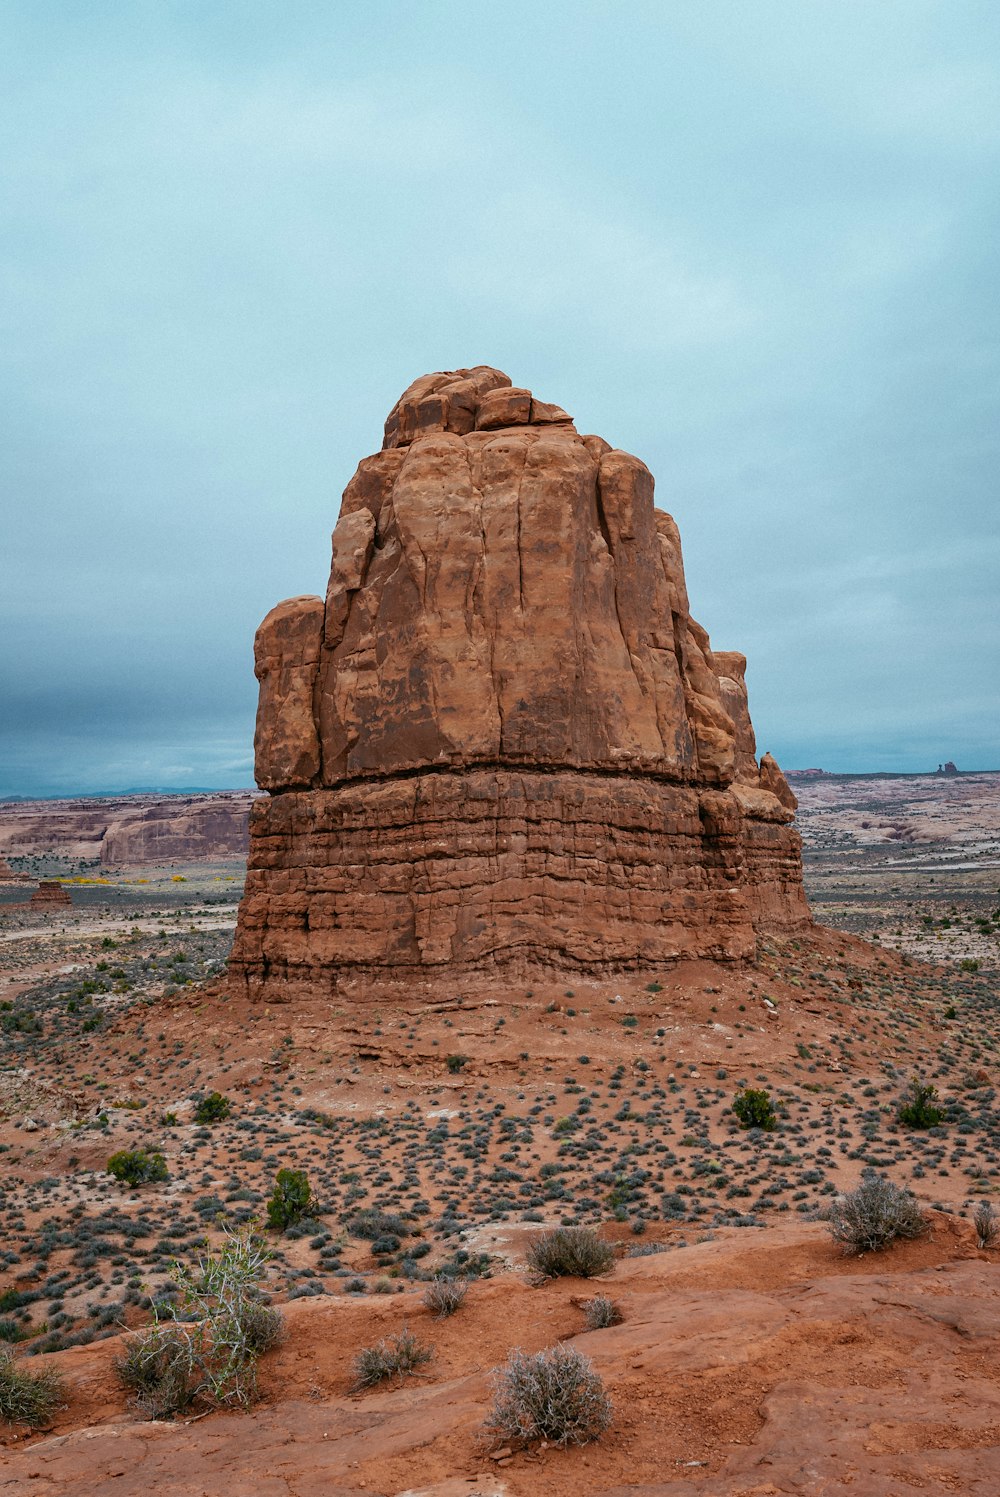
[(138, 829), (501, 738), (50, 895)]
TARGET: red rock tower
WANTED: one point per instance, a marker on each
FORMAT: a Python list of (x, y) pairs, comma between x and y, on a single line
[(501, 740)]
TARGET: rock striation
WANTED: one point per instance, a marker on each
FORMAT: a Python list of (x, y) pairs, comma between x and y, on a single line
[(501, 738), (50, 895)]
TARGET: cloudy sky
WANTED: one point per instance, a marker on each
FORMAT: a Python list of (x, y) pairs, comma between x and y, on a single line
[(754, 243)]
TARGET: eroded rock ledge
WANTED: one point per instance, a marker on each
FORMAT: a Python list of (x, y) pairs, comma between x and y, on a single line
[(501, 739)]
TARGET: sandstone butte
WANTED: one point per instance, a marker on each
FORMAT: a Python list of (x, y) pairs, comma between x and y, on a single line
[(501, 741)]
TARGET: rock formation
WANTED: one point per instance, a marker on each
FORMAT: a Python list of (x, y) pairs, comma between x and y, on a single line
[(50, 895), (501, 738), (138, 829)]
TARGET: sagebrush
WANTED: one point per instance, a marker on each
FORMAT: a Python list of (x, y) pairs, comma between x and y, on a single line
[(868, 1219), (444, 1297), (570, 1252), (552, 1395), (986, 1224), (601, 1312)]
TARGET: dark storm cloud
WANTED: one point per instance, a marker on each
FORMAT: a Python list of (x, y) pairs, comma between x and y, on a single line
[(755, 245)]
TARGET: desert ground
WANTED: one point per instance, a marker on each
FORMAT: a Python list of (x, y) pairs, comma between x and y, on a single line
[(754, 1357)]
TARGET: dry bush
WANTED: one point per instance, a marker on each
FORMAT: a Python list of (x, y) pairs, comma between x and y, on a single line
[(570, 1252), (444, 1296), (550, 1395), (878, 1212), (206, 1351), (26, 1397), (397, 1356), (602, 1312), (986, 1224)]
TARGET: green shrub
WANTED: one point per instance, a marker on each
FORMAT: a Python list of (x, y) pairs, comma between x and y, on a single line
[(868, 1219), (137, 1166), (395, 1357), (205, 1350), (552, 1395), (570, 1252), (213, 1108), (290, 1199), (917, 1106), (26, 1397), (753, 1108), (455, 1063)]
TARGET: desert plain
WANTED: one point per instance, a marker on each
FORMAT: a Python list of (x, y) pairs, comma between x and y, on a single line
[(753, 1357)]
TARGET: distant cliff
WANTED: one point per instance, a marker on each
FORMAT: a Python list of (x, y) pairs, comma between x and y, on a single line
[(130, 829)]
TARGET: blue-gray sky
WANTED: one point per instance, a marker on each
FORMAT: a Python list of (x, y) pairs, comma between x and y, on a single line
[(755, 244)]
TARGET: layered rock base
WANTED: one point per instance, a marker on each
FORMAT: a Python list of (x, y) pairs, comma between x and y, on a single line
[(460, 873)]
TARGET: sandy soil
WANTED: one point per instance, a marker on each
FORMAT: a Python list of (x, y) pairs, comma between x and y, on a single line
[(749, 1343)]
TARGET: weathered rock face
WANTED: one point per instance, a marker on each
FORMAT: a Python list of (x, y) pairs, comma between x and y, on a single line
[(132, 829), (501, 737)]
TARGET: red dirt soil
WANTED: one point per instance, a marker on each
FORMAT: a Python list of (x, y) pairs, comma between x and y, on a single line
[(746, 1366)]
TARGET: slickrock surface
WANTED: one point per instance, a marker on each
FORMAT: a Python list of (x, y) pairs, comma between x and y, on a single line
[(759, 1365), (501, 739)]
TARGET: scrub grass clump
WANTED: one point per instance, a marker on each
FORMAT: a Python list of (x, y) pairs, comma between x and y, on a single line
[(26, 1397), (570, 1252)]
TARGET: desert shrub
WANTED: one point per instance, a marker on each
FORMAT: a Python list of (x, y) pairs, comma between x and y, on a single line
[(394, 1357), (213, 1108), (160, 1367), (753, 1108), (455, 1063), (26, 1397), (867, 1219), (370, 1223), (601, 1312), (917, 1107), (550, 1395), (137, 1166), (290, 1199), (444, 1296), (203, 1345), (570, 1252), (986, 1224)]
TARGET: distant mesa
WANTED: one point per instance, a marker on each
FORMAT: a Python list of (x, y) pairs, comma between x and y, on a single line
[(948, 768), (501, 740)]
